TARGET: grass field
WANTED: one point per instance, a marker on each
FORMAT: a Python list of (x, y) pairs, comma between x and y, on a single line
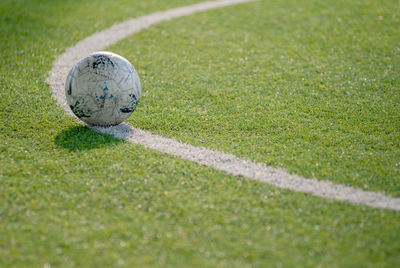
[(308, 86)]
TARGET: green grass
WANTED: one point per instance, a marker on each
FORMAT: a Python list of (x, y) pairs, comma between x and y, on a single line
[(309, 86)]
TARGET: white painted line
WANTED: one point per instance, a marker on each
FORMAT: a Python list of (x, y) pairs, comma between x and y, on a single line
[(215, 159)]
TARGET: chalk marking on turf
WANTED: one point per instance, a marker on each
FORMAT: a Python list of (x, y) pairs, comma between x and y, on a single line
[(215, 159)]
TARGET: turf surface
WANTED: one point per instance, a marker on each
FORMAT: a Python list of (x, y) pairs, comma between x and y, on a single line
[(310, 86)]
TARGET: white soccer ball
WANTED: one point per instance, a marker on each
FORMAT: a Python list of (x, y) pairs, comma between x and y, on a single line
[(103, 89)]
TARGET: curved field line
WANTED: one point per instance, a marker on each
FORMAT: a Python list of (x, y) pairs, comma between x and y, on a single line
[(215, 159)]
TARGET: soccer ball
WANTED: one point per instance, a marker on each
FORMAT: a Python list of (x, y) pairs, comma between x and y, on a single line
[(103, 89)]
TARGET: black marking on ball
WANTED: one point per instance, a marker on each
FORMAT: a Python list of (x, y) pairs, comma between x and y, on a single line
[(79, 112), (70, 87), (132, 105), (102, 60), (103, 66), (126, 110)]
